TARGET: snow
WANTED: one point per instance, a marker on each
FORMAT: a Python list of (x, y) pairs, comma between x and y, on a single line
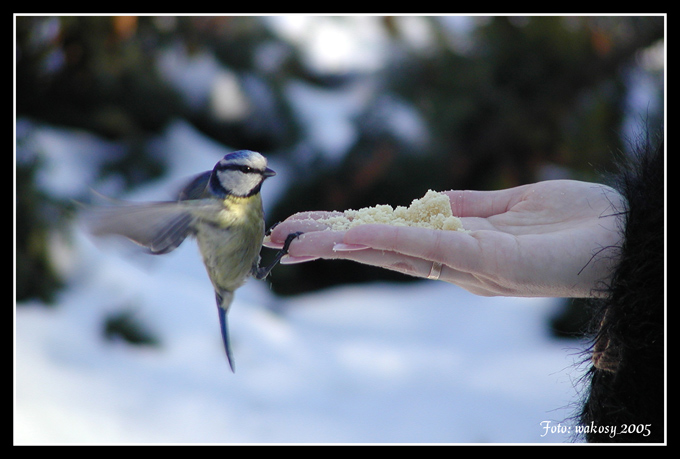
[(424, 362), (334, 44), (327, 115)]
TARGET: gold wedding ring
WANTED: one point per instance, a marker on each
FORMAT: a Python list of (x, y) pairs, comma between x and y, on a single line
[(435, 271)]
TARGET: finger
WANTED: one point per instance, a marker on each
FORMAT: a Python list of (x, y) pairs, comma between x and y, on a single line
[(328, 244), (472, 282), (470, 203), (419, 267), (457, 249), (318, 244), (388, 260), (304, 222), (313, 215)]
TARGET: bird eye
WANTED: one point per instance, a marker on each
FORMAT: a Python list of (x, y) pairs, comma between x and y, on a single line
[(246, 169)]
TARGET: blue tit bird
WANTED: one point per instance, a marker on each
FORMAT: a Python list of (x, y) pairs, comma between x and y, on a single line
[(221, 209)]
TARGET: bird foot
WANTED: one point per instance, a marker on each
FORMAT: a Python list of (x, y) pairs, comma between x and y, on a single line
[(263, 272)]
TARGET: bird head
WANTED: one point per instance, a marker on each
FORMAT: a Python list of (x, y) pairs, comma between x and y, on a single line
[(239, 173)]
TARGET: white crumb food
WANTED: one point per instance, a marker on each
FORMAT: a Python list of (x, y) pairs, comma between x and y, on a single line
[(431, 211)]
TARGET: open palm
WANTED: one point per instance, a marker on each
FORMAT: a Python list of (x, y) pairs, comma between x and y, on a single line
[(552, 238)]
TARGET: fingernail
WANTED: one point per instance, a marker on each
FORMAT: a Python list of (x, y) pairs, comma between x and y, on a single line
[(288, 260), (272, 245), (341, 247)]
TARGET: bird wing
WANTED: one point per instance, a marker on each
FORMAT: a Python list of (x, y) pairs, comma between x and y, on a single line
[(159, 226), (196, 188)]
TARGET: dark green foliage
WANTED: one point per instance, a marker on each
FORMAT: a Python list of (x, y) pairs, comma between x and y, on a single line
[(124, 326), (35, 276)]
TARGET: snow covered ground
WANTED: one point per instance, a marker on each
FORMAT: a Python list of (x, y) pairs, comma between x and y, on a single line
[(383, 363)]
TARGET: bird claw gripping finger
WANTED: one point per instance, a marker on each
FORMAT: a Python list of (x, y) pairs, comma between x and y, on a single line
[(261, 273)]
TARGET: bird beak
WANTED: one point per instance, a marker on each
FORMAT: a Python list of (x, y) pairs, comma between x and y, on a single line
[(268, 173)]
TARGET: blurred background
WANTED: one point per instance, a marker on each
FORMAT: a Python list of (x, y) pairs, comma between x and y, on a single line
[(352, 111)]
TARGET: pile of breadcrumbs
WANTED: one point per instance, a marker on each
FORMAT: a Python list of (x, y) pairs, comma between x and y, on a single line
[(431, 211)]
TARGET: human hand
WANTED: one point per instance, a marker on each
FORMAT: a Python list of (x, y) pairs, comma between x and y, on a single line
[(555, 238)]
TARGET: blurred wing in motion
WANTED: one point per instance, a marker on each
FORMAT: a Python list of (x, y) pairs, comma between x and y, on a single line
[(159, 226)]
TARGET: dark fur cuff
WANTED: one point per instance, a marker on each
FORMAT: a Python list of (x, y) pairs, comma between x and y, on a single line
[(626, 379)]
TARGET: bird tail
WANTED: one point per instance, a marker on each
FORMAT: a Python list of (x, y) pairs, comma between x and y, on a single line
[(224, 328)]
